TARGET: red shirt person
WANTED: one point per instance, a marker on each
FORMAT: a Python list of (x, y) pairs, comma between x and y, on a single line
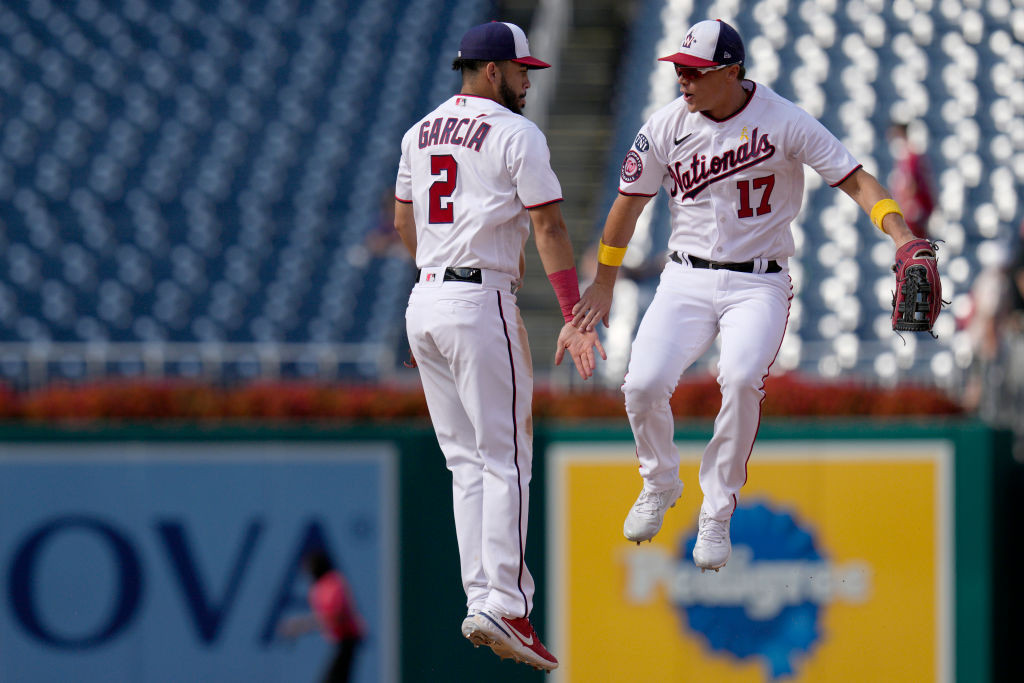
[(332, 603), (911, 181), (333, 612)]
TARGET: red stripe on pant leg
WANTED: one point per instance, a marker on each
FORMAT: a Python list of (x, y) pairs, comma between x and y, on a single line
[(515, 449), (774, 358)]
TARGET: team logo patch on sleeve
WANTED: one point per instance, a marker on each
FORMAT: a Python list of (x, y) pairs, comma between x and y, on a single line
[(632, 167), (641, 143)]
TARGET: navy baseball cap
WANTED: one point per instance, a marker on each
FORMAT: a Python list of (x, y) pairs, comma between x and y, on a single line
[(498, 41), (709, 43)]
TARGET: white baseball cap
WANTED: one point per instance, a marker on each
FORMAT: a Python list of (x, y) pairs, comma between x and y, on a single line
[(709, 43)]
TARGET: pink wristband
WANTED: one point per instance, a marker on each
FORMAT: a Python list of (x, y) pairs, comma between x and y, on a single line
[(567, 289)]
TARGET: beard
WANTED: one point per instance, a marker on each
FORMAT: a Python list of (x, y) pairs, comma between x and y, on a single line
[(509, 98)]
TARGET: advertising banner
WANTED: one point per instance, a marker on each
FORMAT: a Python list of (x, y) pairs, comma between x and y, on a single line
[(179, 561), (841, 568)]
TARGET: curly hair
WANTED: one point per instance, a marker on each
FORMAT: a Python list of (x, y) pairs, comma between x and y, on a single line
[(464, 65)]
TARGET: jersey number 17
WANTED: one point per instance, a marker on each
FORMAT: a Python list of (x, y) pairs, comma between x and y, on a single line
[(766, 185)]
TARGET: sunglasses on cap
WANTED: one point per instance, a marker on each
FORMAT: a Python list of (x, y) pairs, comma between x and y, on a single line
[(694, 72)]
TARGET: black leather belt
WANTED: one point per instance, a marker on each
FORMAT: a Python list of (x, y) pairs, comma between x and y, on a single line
[(748, 267), (459, 275)]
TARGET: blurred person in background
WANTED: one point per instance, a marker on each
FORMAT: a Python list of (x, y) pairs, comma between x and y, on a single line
[(1014, 340), (382, 240), (983, 323), (1015, 285), (333, 613), (911, 180), (474, 173), (994, 323)]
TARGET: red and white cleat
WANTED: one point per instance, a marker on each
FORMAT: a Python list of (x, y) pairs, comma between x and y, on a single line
[(508, 637)]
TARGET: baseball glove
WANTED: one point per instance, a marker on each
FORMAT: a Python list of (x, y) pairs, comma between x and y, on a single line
[(918, 296)]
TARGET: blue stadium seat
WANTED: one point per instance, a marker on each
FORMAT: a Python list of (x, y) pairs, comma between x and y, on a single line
[(212, 173), (200, 173)]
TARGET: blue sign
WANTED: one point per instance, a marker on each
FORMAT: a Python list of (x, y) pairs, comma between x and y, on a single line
[(158, 562), (759, 606)]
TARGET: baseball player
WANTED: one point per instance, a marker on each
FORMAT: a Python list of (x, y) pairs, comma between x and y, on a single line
[(473, 174), (730, 154)]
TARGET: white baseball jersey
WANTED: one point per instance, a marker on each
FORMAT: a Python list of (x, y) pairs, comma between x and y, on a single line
[(734, 185), (471, 169)]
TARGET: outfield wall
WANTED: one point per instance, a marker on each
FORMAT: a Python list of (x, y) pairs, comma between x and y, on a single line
[(169, 553)]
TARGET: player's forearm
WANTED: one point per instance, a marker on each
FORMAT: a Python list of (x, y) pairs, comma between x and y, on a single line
[(606, 275), (555, 250), (865, 189), (622, 218), (552, 238), (405, 224), (618, 230)]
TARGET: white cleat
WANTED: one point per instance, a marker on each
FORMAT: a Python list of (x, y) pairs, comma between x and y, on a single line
[(645, 517), (509, 638), (713, 548), (469, 630)]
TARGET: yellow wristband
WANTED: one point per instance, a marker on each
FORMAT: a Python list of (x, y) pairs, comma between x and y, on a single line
[(882, 209), (610, 256)]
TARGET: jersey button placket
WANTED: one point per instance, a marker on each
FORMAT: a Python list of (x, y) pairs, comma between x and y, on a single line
[(721, 228), (718, 201), (720, 206)]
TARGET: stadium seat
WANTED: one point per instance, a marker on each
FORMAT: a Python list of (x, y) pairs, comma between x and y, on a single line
[(197, 173)]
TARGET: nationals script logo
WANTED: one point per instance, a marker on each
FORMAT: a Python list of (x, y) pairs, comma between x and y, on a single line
[(702, 172)]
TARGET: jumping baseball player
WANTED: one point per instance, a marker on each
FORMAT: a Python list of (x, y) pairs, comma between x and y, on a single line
[(473, 174), (730, 154)]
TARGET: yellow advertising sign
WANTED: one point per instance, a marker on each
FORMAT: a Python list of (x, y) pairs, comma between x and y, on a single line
[(841, 568)]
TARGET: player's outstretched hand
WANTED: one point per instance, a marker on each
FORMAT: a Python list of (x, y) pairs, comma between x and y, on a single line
[(594, 305), (580, 346)]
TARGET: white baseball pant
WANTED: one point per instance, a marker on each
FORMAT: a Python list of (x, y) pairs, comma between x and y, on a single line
[(690, 308), (474, 360)]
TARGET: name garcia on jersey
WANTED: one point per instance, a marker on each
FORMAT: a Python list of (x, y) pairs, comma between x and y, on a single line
[(702, 172), (449, 131)]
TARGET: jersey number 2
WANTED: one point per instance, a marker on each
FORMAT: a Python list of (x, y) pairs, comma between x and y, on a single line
[(442, 211), (746, 210)]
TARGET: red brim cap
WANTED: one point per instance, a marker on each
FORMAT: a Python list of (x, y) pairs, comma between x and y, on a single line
[(709, 43), (532, 62), (683, 59)]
